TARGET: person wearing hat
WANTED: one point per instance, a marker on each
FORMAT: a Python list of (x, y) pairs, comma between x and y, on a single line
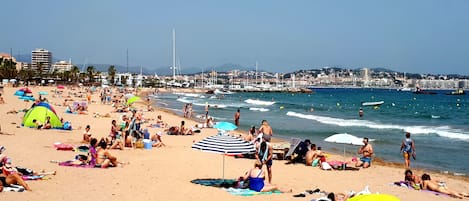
[(157, 142)]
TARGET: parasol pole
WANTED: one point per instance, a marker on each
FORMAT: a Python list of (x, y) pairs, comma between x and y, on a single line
[(223, 175)]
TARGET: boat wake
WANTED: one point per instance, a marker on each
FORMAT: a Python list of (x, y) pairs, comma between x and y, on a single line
[(442, 131)]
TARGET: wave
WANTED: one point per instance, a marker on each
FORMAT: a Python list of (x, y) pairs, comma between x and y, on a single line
[(259, 109), (184, 100), (190, 95), (442, 131), (211, 105), (259, 102)]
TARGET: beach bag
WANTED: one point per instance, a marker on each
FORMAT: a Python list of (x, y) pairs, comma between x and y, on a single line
[(139, 144), (67, 126), (25, 171)]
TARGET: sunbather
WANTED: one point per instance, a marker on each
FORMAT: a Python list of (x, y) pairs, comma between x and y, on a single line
[(440, 187), (87, 134), (12, 179), (157, 142), (412, 180), (104, 158), (256, 180), (185, 131)]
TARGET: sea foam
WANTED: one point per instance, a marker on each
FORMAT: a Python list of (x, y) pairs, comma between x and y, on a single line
[(442, 131)]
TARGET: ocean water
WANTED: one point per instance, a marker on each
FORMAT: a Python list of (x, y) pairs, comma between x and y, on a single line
[(439, 123)]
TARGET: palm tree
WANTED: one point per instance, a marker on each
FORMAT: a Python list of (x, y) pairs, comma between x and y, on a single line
[(90, 71), (111, 71), (75, 71)]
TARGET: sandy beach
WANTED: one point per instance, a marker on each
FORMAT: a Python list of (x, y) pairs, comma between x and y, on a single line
[(165, 173)]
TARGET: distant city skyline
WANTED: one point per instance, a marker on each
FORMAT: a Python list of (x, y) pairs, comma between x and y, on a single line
[(407, 36)]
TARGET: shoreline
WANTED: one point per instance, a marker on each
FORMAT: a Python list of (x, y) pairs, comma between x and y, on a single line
[(282, 140)]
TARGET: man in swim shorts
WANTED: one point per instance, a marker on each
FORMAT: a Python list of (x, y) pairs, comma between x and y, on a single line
[(366, 151)]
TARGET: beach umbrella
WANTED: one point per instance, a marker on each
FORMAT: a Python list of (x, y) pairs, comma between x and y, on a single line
[(132, 99), (224, 144), (345, 138), (43, 93), (373, 197), (227, 126), (19, 93)]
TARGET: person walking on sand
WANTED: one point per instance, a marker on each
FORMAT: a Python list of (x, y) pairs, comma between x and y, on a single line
[(264, 156), (366, 151), (236, 117), (408, 149)]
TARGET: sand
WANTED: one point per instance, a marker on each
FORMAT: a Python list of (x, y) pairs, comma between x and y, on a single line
[(165, 173)]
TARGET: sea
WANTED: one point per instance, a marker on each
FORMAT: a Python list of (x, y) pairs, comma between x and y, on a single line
[(438, 123)]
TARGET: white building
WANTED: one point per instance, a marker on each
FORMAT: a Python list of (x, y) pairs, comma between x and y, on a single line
[(43, 58), (62, 66)]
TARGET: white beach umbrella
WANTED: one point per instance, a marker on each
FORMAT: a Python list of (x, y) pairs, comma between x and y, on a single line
[(345, 138), (224, 144)]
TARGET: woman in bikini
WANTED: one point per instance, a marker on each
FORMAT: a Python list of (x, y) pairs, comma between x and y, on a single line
[(12, 179), (412, 180), (104, 159), (440, 187), (256, 180)]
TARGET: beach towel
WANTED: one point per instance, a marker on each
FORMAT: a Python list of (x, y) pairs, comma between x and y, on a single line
[(74, 164), (248, 192), (215, 182), (63, 147), (229, 186), (33, 177), (407, 185), (13, 188)]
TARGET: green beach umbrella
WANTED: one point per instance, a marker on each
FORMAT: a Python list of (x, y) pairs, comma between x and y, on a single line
[(132, 99)]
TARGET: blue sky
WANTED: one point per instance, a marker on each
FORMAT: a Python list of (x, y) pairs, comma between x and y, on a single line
[(420, 36)]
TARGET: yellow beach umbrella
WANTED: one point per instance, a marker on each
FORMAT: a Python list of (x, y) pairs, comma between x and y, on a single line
[(374, 197)]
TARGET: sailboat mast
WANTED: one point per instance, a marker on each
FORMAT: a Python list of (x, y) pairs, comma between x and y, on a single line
[(174, 55), (256, 73)]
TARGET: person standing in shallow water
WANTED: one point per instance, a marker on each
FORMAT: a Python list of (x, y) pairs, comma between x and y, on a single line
[(360, 113), (236, 117), (407, 149)]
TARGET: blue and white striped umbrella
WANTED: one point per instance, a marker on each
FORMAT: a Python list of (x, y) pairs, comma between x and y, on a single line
[(224, 144)]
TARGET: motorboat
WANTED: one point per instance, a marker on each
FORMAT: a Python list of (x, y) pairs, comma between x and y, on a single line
[(457, 92), (421, 91), (222, 91), (376, 103)]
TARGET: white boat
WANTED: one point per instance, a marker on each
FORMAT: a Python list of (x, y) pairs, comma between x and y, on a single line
[(377, 103), (404, 89), (259, 102), (223, 91)]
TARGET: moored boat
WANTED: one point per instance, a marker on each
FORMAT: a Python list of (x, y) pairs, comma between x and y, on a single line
[(457, 92), (375, 103)]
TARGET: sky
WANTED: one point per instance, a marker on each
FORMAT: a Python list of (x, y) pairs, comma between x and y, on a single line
[(419, 36)]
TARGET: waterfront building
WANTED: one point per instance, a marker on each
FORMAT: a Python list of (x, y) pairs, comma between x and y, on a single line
[(62, 66), (41, 58)]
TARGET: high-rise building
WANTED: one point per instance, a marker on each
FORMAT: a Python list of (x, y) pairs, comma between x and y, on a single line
[(41, 58)]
